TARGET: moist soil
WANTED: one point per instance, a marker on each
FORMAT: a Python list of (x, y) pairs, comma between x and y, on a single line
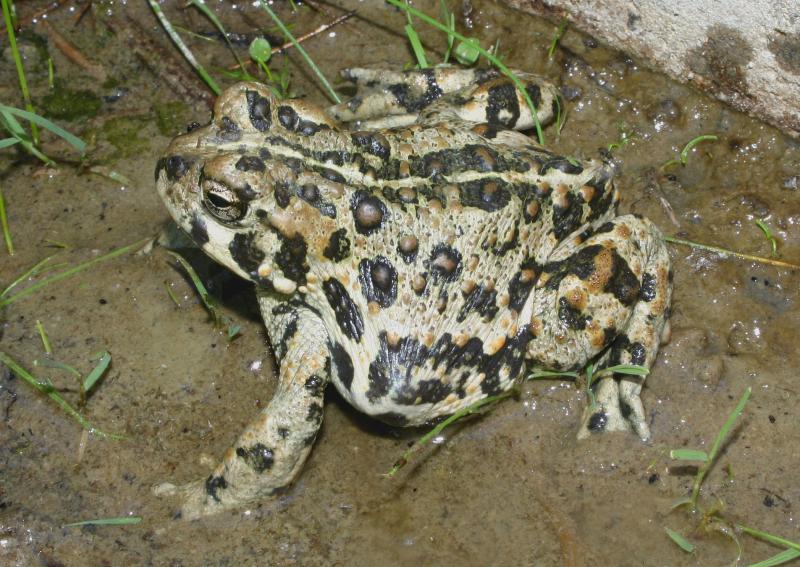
[(511, 487)]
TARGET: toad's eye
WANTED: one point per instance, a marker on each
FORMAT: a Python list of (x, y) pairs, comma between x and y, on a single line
[(222, 202)]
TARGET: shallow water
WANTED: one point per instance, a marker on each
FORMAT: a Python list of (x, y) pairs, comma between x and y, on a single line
[(513, 487)]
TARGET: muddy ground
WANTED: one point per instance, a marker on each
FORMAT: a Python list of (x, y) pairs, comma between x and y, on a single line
[(513, 487)]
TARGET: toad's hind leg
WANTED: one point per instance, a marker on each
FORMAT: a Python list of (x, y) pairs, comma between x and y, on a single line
[(606, 297), (498, 103), (271, 451), (387, 99)]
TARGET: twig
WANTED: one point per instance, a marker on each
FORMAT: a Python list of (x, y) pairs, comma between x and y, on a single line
[(160, 62), (726, 252), (27, 20), (317, 31), (72, 53), (309, 35), (651, 176), (82, 13)]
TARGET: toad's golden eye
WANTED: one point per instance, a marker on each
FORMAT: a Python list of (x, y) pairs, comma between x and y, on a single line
[(222, 202)]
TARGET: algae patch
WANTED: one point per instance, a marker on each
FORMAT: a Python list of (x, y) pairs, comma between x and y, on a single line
[(66, 104)]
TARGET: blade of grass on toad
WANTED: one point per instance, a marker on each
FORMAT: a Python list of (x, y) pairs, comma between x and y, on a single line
[(4, 301), (628, 369), (550, 374), (48, 390), (490, 57), (123, 521), (478, 407), (484, 404), (185, 51), (332, 93)]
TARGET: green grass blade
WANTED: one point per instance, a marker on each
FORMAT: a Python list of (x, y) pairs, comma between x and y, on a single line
[(692, 143), (185, 51), (630, 369), (15, 128), (769, 537), (201, 5), (49, 363), (723, 433), (477, 407), (682, 501), (12, 124), (43, 335), (71, 139), (682, 542), (71, 272), (688, 455), (769, 236), (416, 46), (232, 329), (36, 269), (332, 93), (205, 297), (4, 223), (550, 374), (123, 521), (23, 83), (490, 57), (98, 371), (48, 390), (8, 142), (450, 18), (556, 38), (780, 559)]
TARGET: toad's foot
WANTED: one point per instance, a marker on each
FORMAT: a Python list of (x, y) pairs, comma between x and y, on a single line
[(194, 497), (617, 407), (606, 296)]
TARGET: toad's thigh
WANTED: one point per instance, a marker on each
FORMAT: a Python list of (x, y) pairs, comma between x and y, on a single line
[(593, 292)]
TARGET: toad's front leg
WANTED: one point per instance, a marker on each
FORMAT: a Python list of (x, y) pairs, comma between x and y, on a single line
[(270, 453)]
